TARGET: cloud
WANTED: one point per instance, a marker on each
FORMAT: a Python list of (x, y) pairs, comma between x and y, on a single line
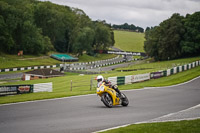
[(140, 13)]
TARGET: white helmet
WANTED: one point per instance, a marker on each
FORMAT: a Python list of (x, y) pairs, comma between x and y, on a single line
[(100, 78)]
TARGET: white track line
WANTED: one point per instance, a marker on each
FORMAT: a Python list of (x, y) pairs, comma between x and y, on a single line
[(152, 120), (171, 114), (46, 100)]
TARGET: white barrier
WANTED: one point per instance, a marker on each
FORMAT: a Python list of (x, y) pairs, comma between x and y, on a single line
[(113, 80), (185, 67), (180, 68), (175, 70), (43, 87), (193, 64), (168, 72), (189, 66), (128, 79)]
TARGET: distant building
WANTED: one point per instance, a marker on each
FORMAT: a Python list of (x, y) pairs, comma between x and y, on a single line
[(41, 74)]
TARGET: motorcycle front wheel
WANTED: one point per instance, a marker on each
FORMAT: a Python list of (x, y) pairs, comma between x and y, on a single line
[(125, 101), (107, 100)]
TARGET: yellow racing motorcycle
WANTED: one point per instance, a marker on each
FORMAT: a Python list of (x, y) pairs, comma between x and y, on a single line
[(110, 97)]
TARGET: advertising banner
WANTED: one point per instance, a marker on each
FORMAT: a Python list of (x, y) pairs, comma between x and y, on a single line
[(156, 75), (8, 90), (15, 89), (24, 89), (140, 77), (121, 52), (128, 79)]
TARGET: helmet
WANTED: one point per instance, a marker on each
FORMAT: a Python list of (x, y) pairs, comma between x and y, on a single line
[(100, 78)]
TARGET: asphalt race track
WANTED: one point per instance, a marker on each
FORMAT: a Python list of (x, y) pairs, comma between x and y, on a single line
[(85, 114)]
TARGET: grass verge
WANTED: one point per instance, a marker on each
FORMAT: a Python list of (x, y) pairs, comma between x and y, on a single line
[(81, 85), (185, 126)]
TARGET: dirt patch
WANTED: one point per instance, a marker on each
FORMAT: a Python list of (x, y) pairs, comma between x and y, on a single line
[(43, 57)]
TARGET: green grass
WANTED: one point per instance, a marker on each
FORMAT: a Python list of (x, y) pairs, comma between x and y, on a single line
[(61, 85), (155, 66), (185, 126), (129, 41), (12, 61)]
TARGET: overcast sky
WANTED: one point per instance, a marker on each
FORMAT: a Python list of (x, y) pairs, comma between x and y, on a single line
[(141, 13)]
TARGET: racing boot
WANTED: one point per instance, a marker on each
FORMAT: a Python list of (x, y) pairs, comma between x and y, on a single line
[(118, 91)]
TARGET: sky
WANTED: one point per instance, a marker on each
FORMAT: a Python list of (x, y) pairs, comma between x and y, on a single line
[(141, 13)]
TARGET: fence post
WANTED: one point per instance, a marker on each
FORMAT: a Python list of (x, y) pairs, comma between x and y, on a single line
[(71, 86), (91, 84)]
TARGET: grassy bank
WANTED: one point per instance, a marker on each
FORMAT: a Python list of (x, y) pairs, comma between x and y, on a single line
[(191, 126), (12, 61), (129, 41)]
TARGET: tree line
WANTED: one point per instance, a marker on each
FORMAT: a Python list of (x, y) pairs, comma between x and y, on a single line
[(39, 27), (130, 27), (175, 37)]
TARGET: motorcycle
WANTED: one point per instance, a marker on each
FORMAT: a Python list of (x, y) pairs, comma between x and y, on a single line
[(110, 97)]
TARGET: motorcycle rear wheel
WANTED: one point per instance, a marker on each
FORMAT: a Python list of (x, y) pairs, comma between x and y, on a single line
[(107, 100)]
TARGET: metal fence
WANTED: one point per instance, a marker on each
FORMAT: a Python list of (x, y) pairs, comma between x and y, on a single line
[(90, 84)]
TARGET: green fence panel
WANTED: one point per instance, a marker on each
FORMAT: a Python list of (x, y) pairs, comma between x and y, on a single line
[(120, 80), (164, 73), (183, 68), (171, 71), (177, 69)]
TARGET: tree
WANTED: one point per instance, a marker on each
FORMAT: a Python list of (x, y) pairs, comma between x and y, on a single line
[(126, 26), (84, 41), (18, 31), (8, 24), (37, 27), (103, 36), (151, 43), (147, 29), (190, 44), (163, 42), (171, 34)]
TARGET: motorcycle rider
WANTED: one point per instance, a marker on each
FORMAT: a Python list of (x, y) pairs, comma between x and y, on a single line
[(100, 80)]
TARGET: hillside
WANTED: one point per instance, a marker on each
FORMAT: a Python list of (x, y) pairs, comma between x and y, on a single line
[(129, 41)]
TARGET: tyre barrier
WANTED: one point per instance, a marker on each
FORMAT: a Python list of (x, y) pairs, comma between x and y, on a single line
[(153, 75)]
